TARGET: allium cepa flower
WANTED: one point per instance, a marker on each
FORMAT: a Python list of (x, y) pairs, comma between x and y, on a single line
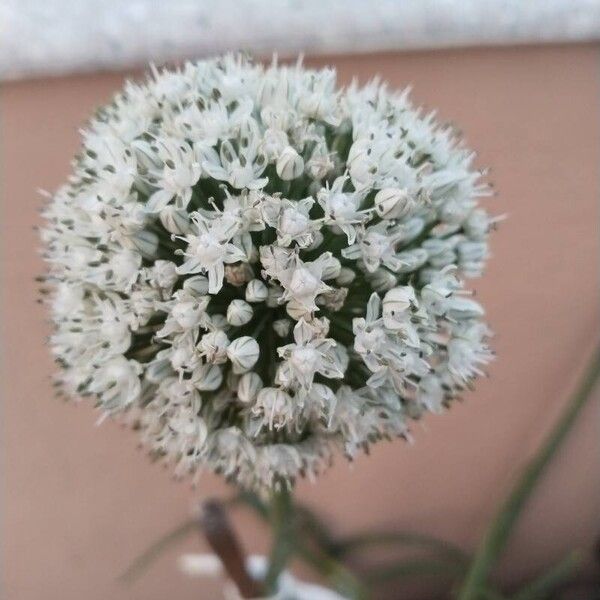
[(254, 267)]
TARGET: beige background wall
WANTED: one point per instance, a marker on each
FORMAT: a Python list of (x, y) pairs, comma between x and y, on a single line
[(79, 501)]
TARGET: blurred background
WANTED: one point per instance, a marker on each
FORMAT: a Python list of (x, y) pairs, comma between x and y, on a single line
[(80, 501)]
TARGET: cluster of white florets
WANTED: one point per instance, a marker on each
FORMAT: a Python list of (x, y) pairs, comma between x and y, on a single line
[(255, 266)]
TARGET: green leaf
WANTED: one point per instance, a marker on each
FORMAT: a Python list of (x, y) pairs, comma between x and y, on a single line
[(335, 573), (411, 568), (401, 538), (144, 560), (501, 527), (543, 586), (314, 526)]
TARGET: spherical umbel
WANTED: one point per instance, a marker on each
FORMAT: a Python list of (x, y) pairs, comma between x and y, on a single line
[(254, 267)]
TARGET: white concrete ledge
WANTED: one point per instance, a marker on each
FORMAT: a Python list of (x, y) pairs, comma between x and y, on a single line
[(48, 37)]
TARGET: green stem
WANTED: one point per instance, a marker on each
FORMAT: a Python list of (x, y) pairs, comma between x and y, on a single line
[(342, 579), (337, 574), (261, 325), (499, 531), (282, 527)]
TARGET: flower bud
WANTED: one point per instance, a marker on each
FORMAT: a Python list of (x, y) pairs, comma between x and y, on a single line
[(296, 310), (319, 166), (219, 321), (382, 280), (158, 370), (289, 164), (243, 353), (430, 393), (207, 377), (248, 387), (393, 203), (182, 358), (282, 327), (197, 285), (274, 293), (174, 220), (146, 242), (478, 224), (318, 238), (333, 299), (274, 142), (346, 276), (188, 313), (187, 424), (412, 260), (256, 291), (239, 313), (332, 268), (463, 308), (468, 251), (396, 303), (164, 274)]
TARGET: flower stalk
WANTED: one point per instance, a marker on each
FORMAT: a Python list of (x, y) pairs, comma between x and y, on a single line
[(282, 530)]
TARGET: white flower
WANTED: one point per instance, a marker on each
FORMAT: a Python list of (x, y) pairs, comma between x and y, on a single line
[(185, 312), (163, 274), (431, 393), (245, 208), (291, 219), (214, 346), (180, 171), (209, 248), (240, 168), (243, 352), (320, 163), (117, 382), (302, 281), (396, 304), (123, 269), (311, 353), (376, 246), (182, 356), (212, 213), (467, 351), (289, 164), (342, 208), (274, 407)]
